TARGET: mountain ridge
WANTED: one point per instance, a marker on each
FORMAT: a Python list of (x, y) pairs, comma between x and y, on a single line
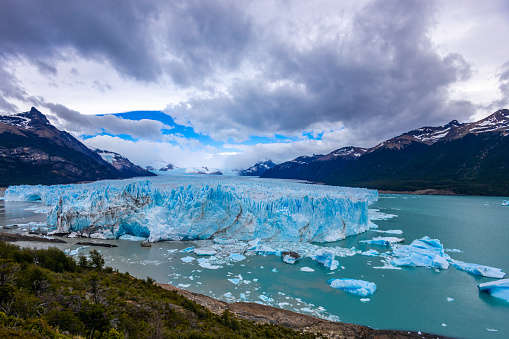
[(470, 158), (33, 151)]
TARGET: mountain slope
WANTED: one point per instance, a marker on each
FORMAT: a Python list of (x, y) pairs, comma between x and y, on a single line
[(258, 169), (122, 164), (468, 158), (32, 151)]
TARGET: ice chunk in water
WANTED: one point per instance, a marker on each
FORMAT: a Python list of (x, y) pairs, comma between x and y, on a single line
[(498, 289), (204, 251), (187, 250), (237, 257), (359, 287), (476, 269), (326, 258), (307, 269), (384, 241), (422, 252), (371, 253)]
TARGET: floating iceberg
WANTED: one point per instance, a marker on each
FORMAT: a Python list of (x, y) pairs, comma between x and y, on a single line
[(384, 241), (194, 208), (487, 271), (359, 287), (498, 289), (237, 257), (371, 253), (326, 257), (422, 252)]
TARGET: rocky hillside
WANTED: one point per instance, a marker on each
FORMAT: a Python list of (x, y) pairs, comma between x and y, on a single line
[(470, 158), (258, 169), (122, 164), (32, 151)]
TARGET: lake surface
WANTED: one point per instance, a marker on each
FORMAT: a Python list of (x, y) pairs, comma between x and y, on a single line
[(406, 299)]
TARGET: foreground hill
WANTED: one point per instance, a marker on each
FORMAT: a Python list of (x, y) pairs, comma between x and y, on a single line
[(470, 158), (32, 151)]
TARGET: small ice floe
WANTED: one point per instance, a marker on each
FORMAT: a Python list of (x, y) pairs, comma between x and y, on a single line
[(235, 281), (389, 231), (376, 214), (290, 257), (274, 270), (266, 250), (491, 330), (487, 271), (371, 253), (365, 299), (221, 241), (383, 241), (453, 250), (306, 309), (265, 298), (505, 203), (326, 258), (422, 252), (498, 289), (450, 299), (204, 251), (359, 287), (183, 285), (237, 257), (306, 269), (444, 325), (187, 250), (187, 259), (206, 263), (132, 238)]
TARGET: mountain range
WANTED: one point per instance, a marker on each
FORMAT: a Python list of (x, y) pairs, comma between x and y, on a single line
[(32, 151), (468, 158)]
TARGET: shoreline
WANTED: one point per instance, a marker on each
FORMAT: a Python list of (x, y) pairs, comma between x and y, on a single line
[(264, 314), (428, 191)]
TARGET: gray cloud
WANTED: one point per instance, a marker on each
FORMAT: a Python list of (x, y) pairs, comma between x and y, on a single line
[(114, 30), (383, 71)]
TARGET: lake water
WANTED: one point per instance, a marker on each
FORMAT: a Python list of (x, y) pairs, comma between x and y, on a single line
[(406, 299)]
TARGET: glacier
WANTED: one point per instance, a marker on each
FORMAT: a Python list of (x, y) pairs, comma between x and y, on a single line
[(196, 208)]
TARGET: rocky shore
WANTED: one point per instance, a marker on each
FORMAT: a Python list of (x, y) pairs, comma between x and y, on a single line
[(296, 321)]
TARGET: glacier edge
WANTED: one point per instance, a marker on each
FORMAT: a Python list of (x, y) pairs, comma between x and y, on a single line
[(177, 209)]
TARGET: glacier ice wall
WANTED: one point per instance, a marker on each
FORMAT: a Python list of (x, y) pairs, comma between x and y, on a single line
[(178, 208)]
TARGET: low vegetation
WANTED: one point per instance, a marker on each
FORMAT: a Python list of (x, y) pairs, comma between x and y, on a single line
[(46, 294)]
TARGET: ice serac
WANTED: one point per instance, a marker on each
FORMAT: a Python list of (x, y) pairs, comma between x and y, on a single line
[(359, 287), (498, 289), (186, 208)]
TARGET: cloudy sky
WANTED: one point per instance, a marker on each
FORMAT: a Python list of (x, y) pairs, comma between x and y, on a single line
[(238, 81)]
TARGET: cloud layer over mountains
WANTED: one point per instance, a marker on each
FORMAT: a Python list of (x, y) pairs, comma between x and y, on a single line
[(265, 78)]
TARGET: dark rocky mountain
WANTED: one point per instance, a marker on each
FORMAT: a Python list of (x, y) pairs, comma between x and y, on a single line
[(258, 169), (32, 151), (166, 168), (122, 164), (471, 158)]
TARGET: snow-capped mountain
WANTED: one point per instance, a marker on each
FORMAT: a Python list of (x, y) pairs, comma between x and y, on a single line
[(469, 158), (122, 164), (32, 151), (258, 169)]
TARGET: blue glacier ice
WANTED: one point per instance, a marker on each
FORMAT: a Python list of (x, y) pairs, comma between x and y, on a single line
[(487, 271), (327, 258), (359, 287), (191, 208), (422, 252), (498, 289)]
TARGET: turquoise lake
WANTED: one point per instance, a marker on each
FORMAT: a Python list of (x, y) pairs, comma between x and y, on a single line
[(413, 299)]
